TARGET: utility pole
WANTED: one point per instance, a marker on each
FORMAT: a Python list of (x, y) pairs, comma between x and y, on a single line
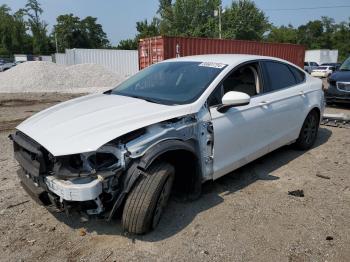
[(56, 43), (219, 22), (218, 13)]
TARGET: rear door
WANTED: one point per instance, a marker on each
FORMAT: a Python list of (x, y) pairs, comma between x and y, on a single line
[(285, 99)]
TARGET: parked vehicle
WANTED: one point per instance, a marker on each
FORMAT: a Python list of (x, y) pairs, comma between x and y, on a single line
[(173, 125), (309, 66), (6, 66), (321, 56), (322, 71), (19, 62), (338, 90), (335, 65)]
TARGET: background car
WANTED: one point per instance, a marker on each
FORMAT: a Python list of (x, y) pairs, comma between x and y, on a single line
[(335, 65), (19, 62), (309, 66), (338, 90), (6, 66), (322, 71)]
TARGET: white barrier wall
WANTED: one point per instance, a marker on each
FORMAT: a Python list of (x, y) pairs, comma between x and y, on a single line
[(123, 62)]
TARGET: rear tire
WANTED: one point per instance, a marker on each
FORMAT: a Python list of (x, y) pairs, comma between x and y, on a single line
[(308, 132), (145, 203)]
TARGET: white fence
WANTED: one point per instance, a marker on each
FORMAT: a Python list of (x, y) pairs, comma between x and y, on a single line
[(123, 62)]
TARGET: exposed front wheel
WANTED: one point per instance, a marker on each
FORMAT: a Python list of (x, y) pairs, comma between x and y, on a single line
[(308, 133), (145, 203)]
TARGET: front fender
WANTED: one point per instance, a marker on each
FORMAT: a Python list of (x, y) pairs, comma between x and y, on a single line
[(162, 147)]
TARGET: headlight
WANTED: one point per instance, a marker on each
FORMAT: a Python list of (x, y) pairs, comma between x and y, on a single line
[(102, 160)]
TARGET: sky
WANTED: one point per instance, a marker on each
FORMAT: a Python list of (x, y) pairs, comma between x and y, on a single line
[(119, 17)]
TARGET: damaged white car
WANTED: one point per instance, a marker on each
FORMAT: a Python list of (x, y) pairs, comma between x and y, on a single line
[(168, 128)]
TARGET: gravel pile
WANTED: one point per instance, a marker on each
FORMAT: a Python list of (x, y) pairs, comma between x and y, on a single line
[(49, 77)]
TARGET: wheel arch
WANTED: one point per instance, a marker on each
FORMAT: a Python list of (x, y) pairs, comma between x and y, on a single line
[(317, 110), (181, 154)]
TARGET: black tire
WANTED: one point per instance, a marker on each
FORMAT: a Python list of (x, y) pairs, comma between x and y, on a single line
[(308, 132), (145, 203)]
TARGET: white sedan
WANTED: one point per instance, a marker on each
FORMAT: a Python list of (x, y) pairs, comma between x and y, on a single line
[(173, 125), (322, 71)]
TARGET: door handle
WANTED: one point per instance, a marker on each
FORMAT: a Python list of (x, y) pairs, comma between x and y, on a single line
[(264, 103), (302, 93)]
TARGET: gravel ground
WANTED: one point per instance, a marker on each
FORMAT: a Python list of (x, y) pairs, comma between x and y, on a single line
[(50, 77), (244, 216)]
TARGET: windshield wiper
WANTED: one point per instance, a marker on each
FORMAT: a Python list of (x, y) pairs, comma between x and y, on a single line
[(151, 100)]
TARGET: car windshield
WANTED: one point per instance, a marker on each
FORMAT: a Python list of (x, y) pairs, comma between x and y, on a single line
[(170, 82), (346, 65)]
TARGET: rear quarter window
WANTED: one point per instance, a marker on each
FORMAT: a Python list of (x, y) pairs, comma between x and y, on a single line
[(298, 74), (277, 76)]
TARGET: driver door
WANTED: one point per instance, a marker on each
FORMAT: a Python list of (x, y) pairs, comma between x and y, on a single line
[(240, 133)]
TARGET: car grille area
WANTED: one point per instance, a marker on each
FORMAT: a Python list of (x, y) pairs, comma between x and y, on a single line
[(343, 86), (29, 154), (33, 159)]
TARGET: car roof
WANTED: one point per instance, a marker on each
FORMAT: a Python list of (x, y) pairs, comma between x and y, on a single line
[(229, 59)]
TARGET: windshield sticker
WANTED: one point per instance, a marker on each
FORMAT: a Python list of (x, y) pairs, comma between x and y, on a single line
[(212, 64)]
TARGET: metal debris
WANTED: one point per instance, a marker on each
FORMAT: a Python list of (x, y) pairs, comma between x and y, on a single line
[(340, 120), (296, 193), (323, 176), (82, 232), (18, 204)]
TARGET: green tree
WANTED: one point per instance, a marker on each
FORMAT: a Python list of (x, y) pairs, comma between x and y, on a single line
[(6, 23), (128, 44), (283, 34), (94, 33), (71, 32), (165, 11), (243, 20), (38, 27), (189, 18), (145, 29), (68, 32), (340, 40), (13, 33), (310, 34)]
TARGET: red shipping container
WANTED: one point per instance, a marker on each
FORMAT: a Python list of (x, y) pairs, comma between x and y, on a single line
[(156, 49)]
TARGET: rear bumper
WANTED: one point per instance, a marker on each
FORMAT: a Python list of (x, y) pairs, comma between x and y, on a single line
[(319, 74)]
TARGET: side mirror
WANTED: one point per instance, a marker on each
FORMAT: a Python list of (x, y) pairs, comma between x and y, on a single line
[(233, 98)]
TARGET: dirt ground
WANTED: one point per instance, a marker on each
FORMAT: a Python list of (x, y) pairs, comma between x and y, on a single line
[(244, 216)]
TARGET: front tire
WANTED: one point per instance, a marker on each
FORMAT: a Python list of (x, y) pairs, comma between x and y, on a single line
[(308, 132), (145, 203)]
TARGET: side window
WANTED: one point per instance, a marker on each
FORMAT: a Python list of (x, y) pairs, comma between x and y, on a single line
[(277, 76), (244, 79), (299, 75), (305, 64)]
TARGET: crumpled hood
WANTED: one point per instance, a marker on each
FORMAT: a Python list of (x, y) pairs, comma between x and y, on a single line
[(84, 124)]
